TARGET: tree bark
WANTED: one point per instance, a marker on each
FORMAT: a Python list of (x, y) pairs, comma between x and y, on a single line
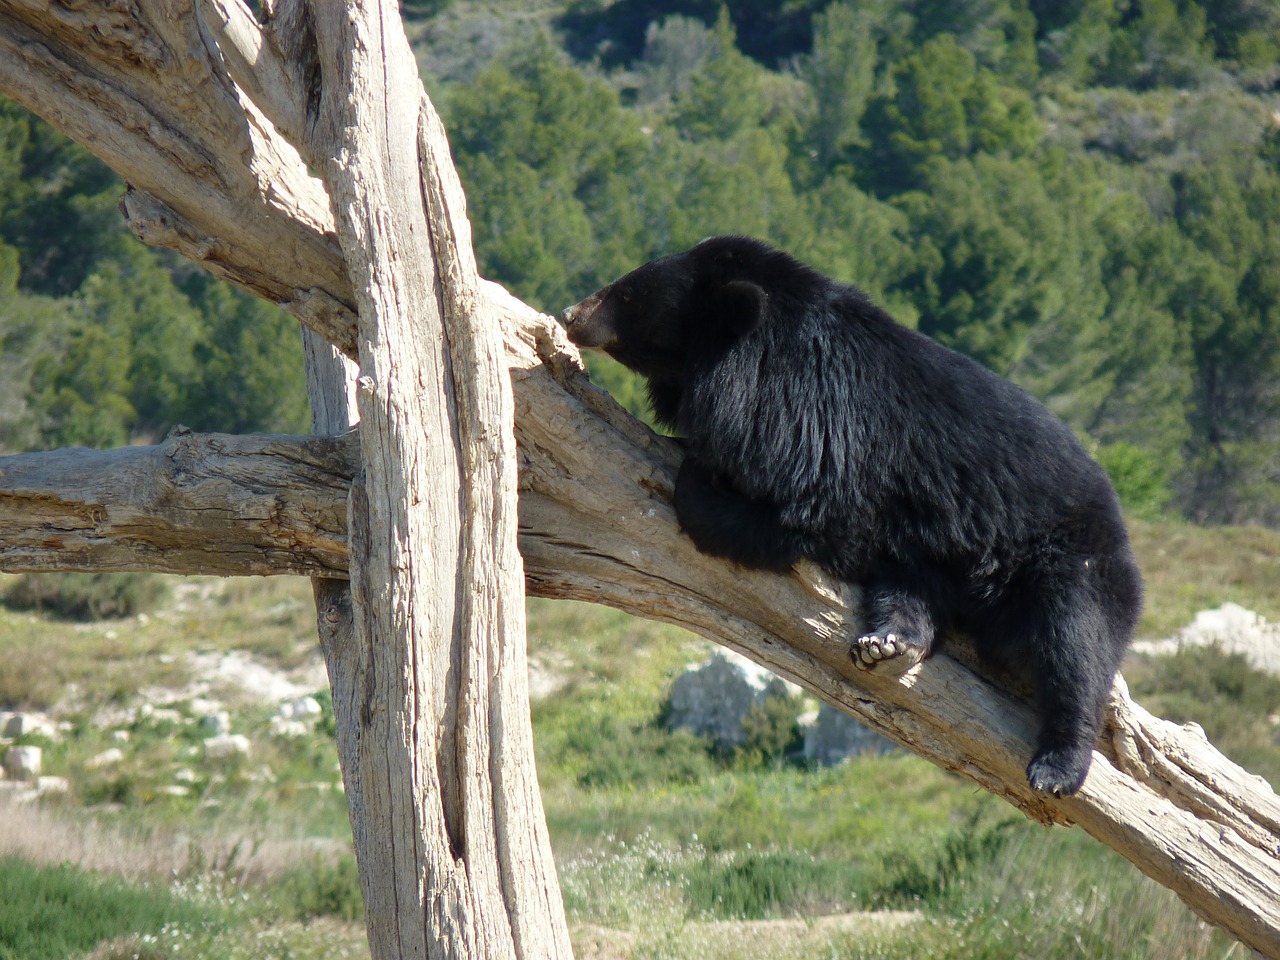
[(190, 110), (447, 817), (197, 503)]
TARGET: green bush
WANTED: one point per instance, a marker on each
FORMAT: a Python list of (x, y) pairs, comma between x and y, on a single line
[(760, 885), (1141, 481), (49, 913), (324, 887), (88, 596), (772, 729), (929, 875)]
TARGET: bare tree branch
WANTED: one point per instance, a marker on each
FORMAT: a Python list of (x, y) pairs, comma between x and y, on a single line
[(213, 504), (153, 95)]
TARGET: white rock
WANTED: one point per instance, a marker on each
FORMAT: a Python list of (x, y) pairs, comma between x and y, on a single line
[(304, 708), (28, 724), (173, 790), (1232, 629), (121, 736), (23, 763), (290, 729), (107, 758), (226, 748), (46, 786)]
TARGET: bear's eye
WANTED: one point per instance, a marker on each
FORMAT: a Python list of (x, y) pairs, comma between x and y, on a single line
[(626, 294)]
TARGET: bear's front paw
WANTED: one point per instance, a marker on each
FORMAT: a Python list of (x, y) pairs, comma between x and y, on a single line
[(891, 654)]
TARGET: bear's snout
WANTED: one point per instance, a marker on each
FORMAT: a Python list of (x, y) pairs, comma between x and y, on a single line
[(587, 325)]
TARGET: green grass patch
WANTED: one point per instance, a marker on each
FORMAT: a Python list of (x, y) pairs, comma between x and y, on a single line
[(52, 912)]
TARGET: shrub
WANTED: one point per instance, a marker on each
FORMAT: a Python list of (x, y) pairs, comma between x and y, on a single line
[(757, 886), (87, 596), (324, 887), (930, 875), (47, 913)]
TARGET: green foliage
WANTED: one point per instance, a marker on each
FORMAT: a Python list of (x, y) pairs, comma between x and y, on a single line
[(320, 887), (761, 885), (934, 873), (103, 340), (772, 729), (49, 913), (87, 596), (1082, 195), (1141, 481), (639, 753), (550, 161)]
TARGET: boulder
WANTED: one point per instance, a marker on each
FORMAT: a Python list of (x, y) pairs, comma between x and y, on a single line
[(713, 697), (23, 763), (1232, 629), (833, 735), (227, 748)]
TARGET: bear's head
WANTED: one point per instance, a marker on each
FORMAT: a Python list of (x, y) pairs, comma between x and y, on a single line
[(656, 316)]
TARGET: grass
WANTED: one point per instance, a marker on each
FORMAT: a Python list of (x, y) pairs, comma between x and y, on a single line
[(52, 912), (664, 848), (1188, 569)]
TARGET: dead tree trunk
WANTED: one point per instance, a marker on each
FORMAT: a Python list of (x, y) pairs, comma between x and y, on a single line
[(200, 111)]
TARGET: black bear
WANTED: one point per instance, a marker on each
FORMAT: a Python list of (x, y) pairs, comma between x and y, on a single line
[(816, 426)]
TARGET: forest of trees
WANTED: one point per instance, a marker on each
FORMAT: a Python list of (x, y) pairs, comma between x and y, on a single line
[(1084, 195)]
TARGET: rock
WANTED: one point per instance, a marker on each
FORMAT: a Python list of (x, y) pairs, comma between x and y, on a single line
[(23, 763), (227, 748), (833, 735), (290, 729), (50, 786), (711, 699), (107, 758), (296, 718), (1232, 629), (216, 724), (304, 708), (28, 725), (121, 736)]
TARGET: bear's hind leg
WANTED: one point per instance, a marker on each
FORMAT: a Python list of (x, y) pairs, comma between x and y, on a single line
[(900, 629), (1075, 656)]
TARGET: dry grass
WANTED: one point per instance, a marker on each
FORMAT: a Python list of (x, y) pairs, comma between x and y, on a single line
[(1189, 569), (41, 835)]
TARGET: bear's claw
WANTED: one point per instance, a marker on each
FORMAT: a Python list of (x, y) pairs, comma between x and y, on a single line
[(890, 654)]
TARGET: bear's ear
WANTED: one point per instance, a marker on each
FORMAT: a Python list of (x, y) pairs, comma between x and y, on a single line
[(741, 306)]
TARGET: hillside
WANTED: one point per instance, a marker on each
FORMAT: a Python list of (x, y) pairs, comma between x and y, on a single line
[(665, 847)]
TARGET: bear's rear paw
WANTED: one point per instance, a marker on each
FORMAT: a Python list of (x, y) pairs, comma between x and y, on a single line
[(891, 654), (1059, 771)]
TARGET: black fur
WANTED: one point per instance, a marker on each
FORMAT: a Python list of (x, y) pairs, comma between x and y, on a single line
[(818, 427)]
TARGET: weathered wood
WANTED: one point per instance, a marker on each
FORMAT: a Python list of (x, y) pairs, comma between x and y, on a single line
[(151, 92), (208, 503), (455, 859)]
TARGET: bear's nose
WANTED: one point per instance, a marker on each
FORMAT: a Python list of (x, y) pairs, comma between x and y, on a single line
[(570, 314)]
